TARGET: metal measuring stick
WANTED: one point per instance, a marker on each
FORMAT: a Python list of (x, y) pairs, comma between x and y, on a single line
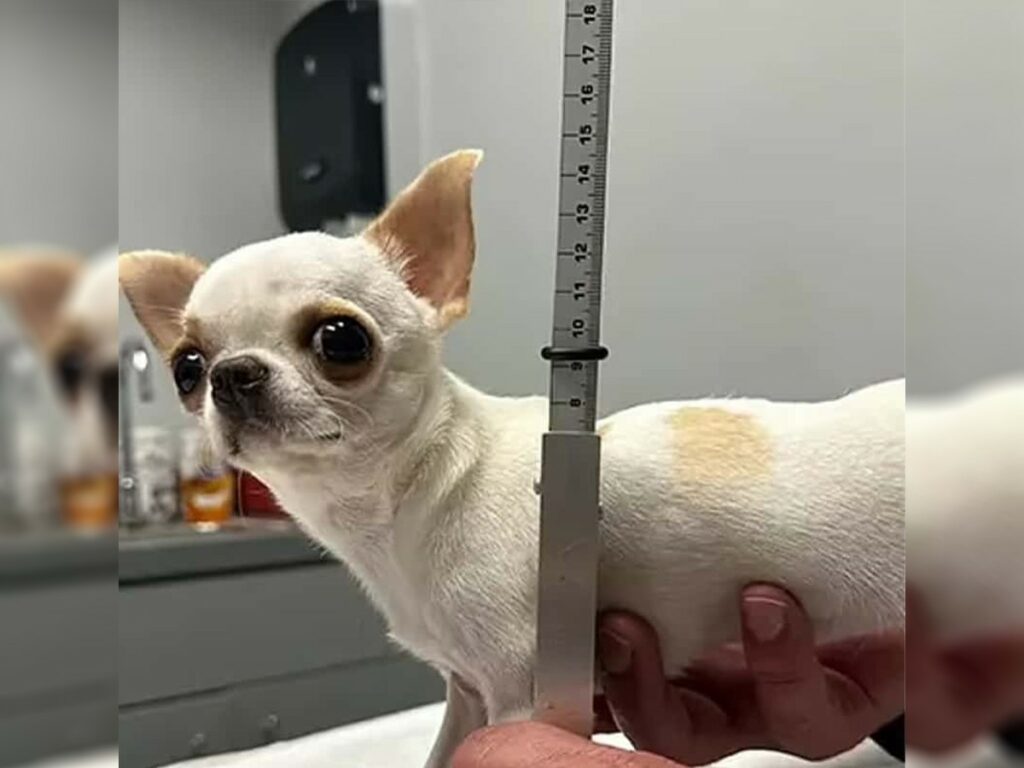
[(571, 456)]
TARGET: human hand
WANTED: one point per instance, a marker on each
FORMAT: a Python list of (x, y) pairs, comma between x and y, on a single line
[(779, 691), (959, 692), (529, 744)]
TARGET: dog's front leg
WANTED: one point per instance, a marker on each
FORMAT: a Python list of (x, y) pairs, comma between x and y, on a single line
[(464, 712)]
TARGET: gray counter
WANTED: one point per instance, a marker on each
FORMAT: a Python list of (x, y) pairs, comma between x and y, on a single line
[(235, 638), (179, 643), (58, 670)]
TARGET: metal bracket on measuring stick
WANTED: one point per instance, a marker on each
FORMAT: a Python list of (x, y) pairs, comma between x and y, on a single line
[(571, 455)]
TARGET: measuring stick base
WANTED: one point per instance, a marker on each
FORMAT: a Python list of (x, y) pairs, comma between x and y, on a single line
[(567, 580)]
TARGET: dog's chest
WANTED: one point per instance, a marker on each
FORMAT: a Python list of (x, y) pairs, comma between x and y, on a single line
[(433, 595), (396, 565)]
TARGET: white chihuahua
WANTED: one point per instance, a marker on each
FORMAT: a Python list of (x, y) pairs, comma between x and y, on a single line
[(314, 362), (67, 306)]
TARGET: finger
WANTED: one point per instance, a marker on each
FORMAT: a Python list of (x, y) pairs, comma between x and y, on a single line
[(921, 654), (789, 682), (988, 678), (876, 664), (525, 745), (634, 684), (934, 723), (653, 714)]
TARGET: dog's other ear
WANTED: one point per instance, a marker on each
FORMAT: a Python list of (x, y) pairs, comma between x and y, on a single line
[(428, 231), (158, 285), (34, 284)]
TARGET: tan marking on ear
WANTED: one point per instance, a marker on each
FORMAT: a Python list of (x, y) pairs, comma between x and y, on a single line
[(34, 283), (428, 232), (158, 285), (716, 445)]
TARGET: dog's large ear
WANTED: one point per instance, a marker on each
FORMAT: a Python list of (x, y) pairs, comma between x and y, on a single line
[(428, 230), (34, 285), (158, 285)]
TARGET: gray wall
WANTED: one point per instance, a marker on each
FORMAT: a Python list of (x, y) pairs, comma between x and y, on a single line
[(58, 132), (756, 230), (196, 123), (196, 146), (965, 174), (755, 242)]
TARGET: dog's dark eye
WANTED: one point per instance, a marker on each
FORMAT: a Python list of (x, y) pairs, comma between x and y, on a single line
[(109, 387), (342, 340), (189, 367), (70, 373)]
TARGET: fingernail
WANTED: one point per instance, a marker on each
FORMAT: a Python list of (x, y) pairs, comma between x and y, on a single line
[(616, 654), (764, 618)]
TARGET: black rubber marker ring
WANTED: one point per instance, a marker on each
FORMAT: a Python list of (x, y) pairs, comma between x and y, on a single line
[(574, 354)]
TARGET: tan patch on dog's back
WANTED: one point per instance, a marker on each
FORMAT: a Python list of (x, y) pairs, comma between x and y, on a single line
[(716, 445)]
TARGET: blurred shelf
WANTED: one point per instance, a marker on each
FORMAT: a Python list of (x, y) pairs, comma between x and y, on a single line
[(184, 551), (173, 551)]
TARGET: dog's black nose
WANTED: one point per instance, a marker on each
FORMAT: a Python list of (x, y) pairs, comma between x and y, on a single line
[(237, 383)]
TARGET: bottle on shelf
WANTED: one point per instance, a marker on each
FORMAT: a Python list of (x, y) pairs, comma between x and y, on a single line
[(207, 483)]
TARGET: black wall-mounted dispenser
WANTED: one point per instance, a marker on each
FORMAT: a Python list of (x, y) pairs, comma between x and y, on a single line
[(329, 100)]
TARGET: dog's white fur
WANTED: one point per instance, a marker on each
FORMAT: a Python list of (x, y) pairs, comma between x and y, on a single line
[(965, 507), (428, 495)]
